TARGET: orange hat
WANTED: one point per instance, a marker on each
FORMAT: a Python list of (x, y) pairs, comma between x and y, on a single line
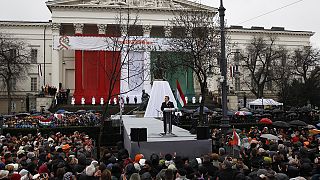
[(138, 157), (65, 147)]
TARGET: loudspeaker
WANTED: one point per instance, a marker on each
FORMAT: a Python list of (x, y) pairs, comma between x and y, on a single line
[(203, 132), (138, 134)]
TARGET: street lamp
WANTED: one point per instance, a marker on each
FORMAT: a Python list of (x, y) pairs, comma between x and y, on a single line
[(223, 67)]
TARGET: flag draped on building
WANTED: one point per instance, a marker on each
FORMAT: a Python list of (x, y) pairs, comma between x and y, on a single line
[(39, 70), (236, 139), (181, 101)]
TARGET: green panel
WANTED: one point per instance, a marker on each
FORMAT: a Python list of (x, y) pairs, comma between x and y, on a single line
[(182, 74)]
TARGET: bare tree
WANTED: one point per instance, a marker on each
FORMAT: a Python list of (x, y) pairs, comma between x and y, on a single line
[(198, 43), (304, 60), (14, 63), (126, 67), (259, 60)]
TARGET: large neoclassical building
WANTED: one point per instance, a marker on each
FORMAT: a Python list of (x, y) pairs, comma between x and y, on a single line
[(67, 47)]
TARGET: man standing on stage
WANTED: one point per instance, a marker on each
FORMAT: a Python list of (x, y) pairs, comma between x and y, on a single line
[(166, 104)]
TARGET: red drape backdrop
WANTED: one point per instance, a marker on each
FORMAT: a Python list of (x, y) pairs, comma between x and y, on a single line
[(93, 74)]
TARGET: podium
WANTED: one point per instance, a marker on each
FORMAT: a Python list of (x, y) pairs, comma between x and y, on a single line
[(168, 113)]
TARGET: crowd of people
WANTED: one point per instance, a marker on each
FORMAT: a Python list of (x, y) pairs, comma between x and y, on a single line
[(81, 118), (48, 90), (295, 155)]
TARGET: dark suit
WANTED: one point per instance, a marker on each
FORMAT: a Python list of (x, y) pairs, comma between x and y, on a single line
[(169, 104)]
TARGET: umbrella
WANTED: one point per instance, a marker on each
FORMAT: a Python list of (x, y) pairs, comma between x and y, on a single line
[(81, 111), (60, 111), (187, 111), (242, 113), (205, 110), (277, 111), (293, 109), (297, 123), (281, 124), (244, 109), (292, 114), (217, 109), (267, 115), (310, 126), (305, 109), (230, 113), (265, 121), (230, 131), (269, 136)]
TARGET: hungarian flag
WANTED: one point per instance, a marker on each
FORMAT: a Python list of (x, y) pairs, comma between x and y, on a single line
[(236, 139), (46, 122), (180, 96)]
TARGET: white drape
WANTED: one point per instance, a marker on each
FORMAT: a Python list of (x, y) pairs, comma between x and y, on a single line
[(158, 91)]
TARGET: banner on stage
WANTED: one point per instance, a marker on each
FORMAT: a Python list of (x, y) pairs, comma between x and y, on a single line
[(92, 43)]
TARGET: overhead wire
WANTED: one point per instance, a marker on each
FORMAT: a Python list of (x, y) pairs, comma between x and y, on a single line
[(270, 12)]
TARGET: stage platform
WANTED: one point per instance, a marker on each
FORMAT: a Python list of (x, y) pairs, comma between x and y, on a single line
[(182, 143)]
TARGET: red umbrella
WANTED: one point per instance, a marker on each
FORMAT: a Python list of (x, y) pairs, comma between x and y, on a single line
[(265, 121)]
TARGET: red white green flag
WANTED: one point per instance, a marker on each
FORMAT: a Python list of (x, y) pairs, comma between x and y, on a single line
[(180, 96)]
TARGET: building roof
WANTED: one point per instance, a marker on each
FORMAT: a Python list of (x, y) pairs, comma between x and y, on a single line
[(160, 5), (25, 23), (272, 30)]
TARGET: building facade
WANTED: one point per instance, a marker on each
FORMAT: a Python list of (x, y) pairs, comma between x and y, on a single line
[(73, 69)]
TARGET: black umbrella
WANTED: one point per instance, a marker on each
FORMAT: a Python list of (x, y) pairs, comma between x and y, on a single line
[(257, 115), (305, 109), (205, 110), (267, 115), (277, 111), (217, 109), (297, 123), (187, 111), (293, 109), (292, 114), (281, 124), (259, 110)]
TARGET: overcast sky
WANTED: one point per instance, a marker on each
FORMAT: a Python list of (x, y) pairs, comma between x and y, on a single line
[(300, 15)]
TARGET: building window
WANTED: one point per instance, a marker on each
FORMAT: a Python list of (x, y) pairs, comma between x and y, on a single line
[(34, 55), (34, 84)]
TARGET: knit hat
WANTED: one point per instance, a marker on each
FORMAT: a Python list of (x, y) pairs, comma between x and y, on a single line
[(4, 174), (137, 166), (15, 176), (23, 172), (172, 167), (142, 162), (90, 170), (67, 176), (43, 169), (138, 157)]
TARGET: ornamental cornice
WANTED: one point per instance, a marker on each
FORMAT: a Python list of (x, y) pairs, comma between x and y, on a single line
[(117, 7), (269, 31), (24, 24)]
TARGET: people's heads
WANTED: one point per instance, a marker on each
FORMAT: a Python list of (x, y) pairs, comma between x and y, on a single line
[(222, 151), (166, 98), (106, 175), (169, 174)]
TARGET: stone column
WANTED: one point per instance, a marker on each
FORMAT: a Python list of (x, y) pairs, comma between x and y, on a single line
[(102, 28), (78, 28), (167, 31), (124, 30), (78, 93), (55, 57), (147, 61)]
